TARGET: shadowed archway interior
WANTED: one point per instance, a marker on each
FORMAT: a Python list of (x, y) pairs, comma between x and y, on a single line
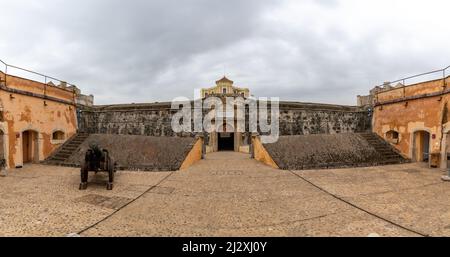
[(226, 141)]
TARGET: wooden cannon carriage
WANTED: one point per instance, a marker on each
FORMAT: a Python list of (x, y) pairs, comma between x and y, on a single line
[(97, 160)]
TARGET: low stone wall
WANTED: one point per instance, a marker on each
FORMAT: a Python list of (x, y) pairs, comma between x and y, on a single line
[(128, 119), (305, 118), (155, 119), (139, 152)]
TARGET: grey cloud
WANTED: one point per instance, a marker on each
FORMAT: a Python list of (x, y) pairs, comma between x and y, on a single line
[(144, 51)]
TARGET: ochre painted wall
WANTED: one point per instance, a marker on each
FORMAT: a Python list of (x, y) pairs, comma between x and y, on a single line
[(39, 88), (194, 155), (261, 153), (410, 116), (412, 90), (24, 112)]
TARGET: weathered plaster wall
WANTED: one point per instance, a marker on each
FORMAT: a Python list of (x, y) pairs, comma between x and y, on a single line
[(419, 107), (419, 115), (428, 87), (35, 87), (21, 112)]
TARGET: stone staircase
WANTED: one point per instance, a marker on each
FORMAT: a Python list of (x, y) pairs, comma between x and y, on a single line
[(389, 154), (66, 150)]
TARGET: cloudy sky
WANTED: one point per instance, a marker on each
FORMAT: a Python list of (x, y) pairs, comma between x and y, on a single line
[(325, 51)]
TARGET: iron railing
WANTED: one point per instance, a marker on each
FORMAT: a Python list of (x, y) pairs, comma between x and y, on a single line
[(5, 69), (45, 78), (404, 81)]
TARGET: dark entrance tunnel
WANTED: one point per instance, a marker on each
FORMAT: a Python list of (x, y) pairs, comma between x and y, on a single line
[(226, 141)]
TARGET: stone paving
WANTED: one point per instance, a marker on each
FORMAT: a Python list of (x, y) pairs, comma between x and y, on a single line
[(228, 194)]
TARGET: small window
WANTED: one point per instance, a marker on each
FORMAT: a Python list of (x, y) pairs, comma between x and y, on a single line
[(58, 135), (392, 136), (224, 91)]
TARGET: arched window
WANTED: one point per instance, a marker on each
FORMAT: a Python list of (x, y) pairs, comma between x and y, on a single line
[(58, 135), (392, 136)]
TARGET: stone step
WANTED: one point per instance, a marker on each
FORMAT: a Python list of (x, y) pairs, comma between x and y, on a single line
[(57, 159), (389, 153), (63, 155), (72, 148), (392, 161), (369, 136), (383, 148), (77, 140), (67, 150), (392, 157), (82, 136), (386, 151), (72, 144), (375, 141), (49, 162)]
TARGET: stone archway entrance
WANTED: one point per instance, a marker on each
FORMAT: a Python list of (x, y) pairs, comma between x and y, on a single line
[(30, 146), (421, 146), (3, 148), (225, 141)]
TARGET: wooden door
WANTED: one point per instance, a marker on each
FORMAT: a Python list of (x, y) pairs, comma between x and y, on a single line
[(26, 147)]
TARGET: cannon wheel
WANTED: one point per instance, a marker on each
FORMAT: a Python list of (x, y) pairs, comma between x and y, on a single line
[(111, 174), (84, 175)]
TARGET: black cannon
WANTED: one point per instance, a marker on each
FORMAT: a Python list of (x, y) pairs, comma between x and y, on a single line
[(2, 168), (97, 160), (2, 164)]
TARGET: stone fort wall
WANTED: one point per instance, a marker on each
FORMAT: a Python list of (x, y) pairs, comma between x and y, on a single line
[(154, 119)]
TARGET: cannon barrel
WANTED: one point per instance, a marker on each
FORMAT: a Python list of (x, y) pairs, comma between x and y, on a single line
[(97, 160)]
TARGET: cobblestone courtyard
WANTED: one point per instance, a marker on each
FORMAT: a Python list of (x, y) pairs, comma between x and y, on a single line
[(228, 194)]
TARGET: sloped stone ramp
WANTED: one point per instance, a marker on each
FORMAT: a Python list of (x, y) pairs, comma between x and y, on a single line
[(332, 151), (135, 152)]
